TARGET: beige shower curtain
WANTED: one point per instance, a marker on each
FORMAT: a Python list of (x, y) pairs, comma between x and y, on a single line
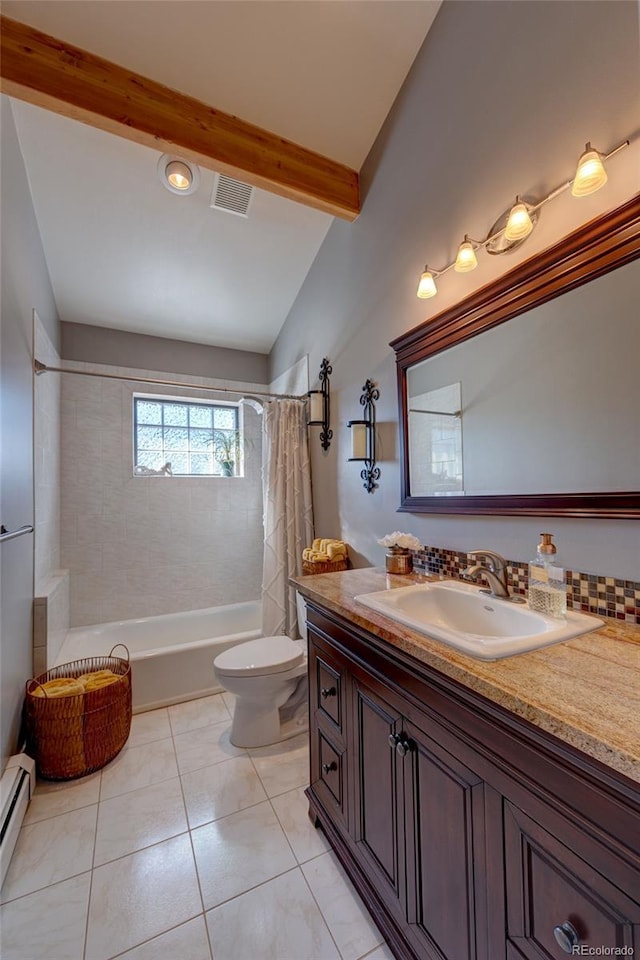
[(288, 510)]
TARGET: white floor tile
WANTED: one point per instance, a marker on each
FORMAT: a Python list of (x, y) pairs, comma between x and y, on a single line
[(380, 953), (205, 746), (138, 819), (47, 924), (52, 798), (239, 852), (214, 792), (198, 713), (146, 727), (137, 767), (141, 896), (187, 942), (283, 766), (350, 924), (292, 812), (276, 921), (51, 850)]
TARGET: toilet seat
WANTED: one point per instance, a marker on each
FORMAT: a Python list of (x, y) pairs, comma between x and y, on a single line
[(260, 657)]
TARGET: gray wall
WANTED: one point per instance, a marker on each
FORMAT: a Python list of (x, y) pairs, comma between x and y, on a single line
[(500, 100), (102, 345), (25, 285)]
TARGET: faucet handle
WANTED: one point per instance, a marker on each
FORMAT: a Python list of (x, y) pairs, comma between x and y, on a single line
[(496, 563)]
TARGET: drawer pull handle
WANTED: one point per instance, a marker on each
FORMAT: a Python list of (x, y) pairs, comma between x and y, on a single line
[(394, 740), (566, 936), (329, 767), (328, 692)]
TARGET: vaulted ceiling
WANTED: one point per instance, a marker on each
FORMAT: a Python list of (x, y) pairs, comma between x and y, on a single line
[(122, 251)]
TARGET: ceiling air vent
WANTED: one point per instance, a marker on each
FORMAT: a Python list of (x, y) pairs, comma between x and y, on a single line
[(231, 195)]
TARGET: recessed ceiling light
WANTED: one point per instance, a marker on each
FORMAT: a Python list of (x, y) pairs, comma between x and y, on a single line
[(178, 175)]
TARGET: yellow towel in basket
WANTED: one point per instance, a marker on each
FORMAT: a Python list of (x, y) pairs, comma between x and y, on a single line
[(88, 678), (97, 682), (60, 687)]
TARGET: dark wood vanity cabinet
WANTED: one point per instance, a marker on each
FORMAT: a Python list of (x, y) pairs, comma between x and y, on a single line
[(470, 834)]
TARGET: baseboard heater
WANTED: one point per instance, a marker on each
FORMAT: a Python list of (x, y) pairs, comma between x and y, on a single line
[(16, 788)]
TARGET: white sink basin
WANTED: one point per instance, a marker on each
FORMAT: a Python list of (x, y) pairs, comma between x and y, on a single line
[(459, 614)]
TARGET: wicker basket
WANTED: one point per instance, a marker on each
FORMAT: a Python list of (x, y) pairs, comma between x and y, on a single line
[(70, 737), (323, 566)]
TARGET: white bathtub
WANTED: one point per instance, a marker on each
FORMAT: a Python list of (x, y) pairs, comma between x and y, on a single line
[(172, 655)]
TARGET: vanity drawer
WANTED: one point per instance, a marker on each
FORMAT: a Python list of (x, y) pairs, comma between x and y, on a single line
[(328, 774), (557, 901), (327, 686)]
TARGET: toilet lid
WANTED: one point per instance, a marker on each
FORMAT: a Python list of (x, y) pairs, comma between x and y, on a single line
[(260, 657)]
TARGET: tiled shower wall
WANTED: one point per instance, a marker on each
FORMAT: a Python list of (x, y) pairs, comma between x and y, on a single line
[(141, 546), (51, 597)]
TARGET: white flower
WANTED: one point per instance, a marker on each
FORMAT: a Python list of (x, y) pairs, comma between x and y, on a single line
[(397, 539)]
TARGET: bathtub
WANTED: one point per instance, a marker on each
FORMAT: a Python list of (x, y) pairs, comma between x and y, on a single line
[(172, 655)]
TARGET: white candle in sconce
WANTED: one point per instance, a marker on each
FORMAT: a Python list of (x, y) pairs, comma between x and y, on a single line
[(359, 441), (316, 407)]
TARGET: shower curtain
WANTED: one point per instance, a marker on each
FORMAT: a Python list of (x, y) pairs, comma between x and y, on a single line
[(288, 511)]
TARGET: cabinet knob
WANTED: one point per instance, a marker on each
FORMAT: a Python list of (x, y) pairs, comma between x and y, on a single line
[(566, 936), (328, 692), (329, 767), (400, 744)]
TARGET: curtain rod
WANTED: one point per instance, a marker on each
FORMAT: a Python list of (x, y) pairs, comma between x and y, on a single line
[(40, 367)]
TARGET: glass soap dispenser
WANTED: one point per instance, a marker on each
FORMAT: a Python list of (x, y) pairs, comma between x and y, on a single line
[(547, 591)]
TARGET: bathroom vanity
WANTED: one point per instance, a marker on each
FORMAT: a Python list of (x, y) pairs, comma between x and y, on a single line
[(484, 811)]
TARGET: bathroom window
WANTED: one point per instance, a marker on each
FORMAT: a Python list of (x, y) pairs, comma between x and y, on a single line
[(180, 438)]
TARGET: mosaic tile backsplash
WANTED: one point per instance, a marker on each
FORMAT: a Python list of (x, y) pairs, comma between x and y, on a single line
[(604, 596)]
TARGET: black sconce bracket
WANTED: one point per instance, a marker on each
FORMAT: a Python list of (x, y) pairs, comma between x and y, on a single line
[(326, 433), (370, 472)]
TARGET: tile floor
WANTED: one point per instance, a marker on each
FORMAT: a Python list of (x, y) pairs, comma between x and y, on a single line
[(182, 848)]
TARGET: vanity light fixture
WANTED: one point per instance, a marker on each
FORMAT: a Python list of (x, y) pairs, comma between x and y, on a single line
[(515, 224), (466, 259), (319, 408), (178, 175), (590, 175), (363, 437)]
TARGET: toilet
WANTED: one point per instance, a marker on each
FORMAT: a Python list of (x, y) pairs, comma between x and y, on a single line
[(269, 679)]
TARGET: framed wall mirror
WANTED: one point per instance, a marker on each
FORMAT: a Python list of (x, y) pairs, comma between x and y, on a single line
[(524, 399)]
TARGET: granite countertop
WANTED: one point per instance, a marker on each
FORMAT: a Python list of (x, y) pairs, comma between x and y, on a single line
[(584, 691)]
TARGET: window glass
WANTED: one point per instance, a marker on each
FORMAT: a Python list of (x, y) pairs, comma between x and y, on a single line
[(183, 438)]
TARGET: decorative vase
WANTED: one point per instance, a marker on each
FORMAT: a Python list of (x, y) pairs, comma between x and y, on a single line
[(398, 560), (226, 468)]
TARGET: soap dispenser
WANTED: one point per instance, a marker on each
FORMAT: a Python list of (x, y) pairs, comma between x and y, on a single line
[(547, 591)]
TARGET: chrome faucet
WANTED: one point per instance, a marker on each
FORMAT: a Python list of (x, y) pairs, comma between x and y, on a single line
[(495, 574)]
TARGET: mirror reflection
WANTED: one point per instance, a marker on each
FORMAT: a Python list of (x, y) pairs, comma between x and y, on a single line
[(547, 402)]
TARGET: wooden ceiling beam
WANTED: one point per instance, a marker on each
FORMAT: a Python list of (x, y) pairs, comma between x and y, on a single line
[(54, 74)]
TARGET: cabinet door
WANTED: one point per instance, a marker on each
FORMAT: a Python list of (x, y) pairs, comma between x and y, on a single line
[(444, 803), (557, 903), (379, 815)]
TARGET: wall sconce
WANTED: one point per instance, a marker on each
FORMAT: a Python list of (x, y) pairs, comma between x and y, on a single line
[(516, 223), (319, 405), (363, 437)]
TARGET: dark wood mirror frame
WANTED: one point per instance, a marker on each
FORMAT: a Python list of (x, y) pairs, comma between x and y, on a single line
[(589, 252)]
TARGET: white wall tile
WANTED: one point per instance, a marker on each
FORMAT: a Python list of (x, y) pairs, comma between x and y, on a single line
[(138, 546)]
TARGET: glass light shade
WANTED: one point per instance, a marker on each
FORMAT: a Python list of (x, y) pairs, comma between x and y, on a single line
[(178, 174), (590, 174), (466, 259), (316, 407), (359, 430), (519, 224), (427, 286)]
